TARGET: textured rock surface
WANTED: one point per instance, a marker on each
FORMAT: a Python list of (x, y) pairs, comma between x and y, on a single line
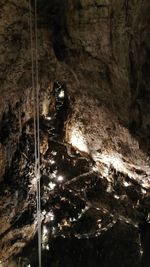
[(100, 50), (91, 45), (79, 203)]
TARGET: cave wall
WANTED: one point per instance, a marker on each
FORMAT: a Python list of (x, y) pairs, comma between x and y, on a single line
[(99, 48)]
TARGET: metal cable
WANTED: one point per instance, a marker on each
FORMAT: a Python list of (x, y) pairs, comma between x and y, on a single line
[(35, 87)]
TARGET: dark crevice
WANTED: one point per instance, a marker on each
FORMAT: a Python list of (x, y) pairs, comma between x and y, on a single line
[(52, 15)]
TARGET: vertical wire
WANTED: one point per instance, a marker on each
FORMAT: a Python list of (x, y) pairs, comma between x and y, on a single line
[(37, 83), (38, 138), (36, 120), (33, 86)]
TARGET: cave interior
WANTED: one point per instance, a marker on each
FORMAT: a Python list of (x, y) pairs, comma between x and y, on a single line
[(75, 133)]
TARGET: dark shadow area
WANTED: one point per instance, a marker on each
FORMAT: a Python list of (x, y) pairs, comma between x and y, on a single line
[(52, 15)]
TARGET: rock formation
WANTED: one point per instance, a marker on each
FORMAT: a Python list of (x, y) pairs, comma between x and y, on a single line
[(93, 58)]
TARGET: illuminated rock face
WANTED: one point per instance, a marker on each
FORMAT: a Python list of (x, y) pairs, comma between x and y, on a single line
[(78, 204), (94, 105), (84, 199)]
